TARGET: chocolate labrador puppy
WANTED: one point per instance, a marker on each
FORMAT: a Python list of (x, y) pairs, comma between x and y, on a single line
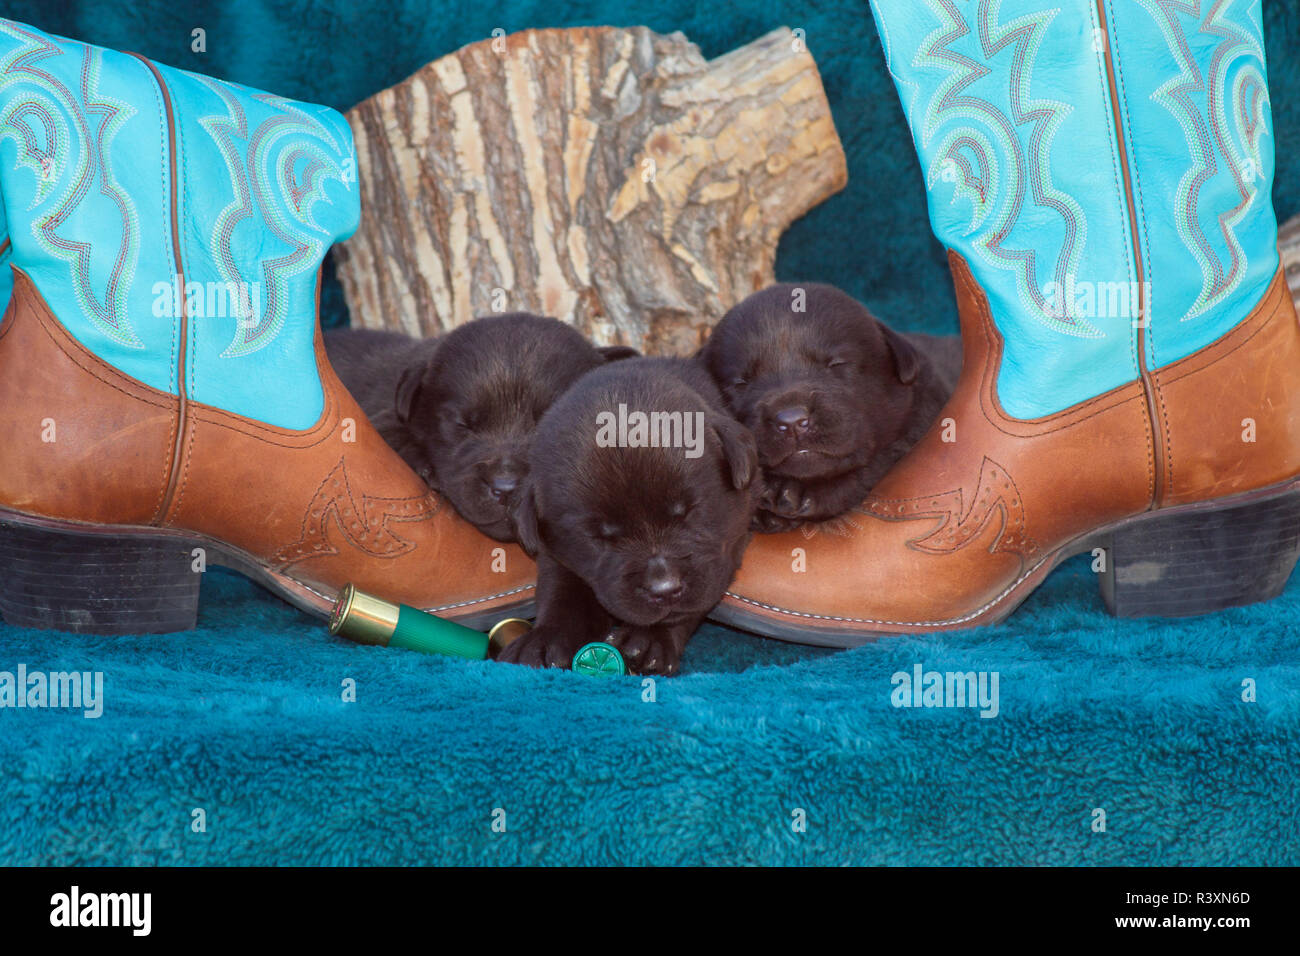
[(637, 506), (461, 409), (833, 396)]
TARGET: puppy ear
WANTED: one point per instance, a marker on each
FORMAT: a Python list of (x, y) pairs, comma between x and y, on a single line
[(907, 360), (524, 517), (613, 353), (739, 448), (408, 390)]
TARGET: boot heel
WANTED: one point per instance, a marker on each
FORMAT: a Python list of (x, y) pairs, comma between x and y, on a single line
[(96, 583), (1200, 561)]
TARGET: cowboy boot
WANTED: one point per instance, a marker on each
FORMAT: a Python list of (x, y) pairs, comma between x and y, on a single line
[(6, 276), (1100, 173), (165, 399)]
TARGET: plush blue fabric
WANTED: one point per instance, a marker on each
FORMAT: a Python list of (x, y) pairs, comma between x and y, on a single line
[(243, 717)]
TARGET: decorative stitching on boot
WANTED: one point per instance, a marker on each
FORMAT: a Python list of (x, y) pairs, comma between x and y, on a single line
[(995, 494), (866, 620), (1030, 158), (364, 523), (169, 255), (1139, 201), (437, 607), (1207, 130)]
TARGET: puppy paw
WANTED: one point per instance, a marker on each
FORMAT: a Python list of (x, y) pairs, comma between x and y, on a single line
[(647, 650), (542, 647), (785, 497), (766, 522)]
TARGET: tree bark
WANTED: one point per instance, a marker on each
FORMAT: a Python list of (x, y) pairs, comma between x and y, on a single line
[(612, 178)]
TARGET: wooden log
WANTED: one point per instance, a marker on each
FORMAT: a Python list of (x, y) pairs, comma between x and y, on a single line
[(613, 178)]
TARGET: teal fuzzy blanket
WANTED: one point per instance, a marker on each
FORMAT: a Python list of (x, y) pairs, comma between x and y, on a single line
[(762, 752), (1114, 742)]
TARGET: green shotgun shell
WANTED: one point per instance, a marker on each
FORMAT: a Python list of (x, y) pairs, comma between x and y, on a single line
[(366, 619), (599, 659)]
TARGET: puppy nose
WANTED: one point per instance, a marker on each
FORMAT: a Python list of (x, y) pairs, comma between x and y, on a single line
[(502, 484), (794, 418), (662, 582)]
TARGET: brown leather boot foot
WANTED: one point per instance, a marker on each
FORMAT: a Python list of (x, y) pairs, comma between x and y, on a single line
[(114, 495), (1200, 515)]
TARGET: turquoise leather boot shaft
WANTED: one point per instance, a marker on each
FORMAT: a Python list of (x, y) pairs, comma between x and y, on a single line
[(1199, 129), (1029, 162), (174, 223)]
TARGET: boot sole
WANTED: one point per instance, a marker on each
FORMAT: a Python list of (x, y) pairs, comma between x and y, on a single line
[(1176, 562), (96, 579)]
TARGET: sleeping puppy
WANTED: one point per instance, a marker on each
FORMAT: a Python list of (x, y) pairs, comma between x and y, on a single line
[(630, 538), (461, 409), (833, 396)]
